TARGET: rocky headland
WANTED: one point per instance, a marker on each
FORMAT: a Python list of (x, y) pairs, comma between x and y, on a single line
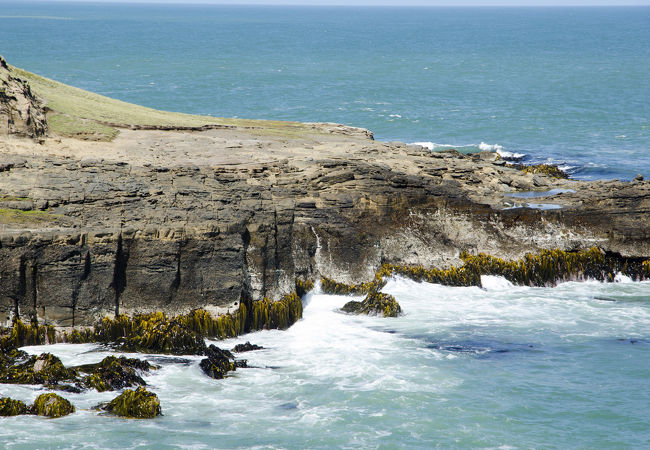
[(111, 211)]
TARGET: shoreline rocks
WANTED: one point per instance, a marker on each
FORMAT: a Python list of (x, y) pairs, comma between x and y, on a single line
[(138, 404), (173, 219), (52, 405)]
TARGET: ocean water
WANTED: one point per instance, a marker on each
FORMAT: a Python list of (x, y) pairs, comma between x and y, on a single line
[(563, 85), (499, 367)]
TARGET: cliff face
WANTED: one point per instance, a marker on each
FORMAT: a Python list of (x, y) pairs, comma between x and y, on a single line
[(85, 237), (21, 113), (174, 220)]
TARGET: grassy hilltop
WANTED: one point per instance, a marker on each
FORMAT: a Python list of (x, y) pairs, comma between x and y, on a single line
[(74, 112)]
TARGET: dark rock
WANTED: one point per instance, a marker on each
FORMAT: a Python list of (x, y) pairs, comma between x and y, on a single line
[(218, 363), (247, 347)]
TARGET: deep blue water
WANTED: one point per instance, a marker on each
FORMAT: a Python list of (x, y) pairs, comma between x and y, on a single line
[(566, 84)]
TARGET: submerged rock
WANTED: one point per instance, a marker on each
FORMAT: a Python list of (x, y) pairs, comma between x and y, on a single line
[(114, 373), (375, 303), (52, 405), (218, 363), (11, 407), (138, 404), (247, 347)]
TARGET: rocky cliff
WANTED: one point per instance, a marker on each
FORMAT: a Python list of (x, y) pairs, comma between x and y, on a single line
[(21, 112), (201, 217)]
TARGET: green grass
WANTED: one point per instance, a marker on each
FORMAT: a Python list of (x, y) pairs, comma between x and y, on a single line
[(69, 126), (80, 113), (18, 216), (13, 198)]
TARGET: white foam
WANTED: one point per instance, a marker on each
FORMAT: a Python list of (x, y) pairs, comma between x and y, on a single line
[(490, 147), (509, 155), (494, 283), (483, 147), (620, 278), (433, 145)]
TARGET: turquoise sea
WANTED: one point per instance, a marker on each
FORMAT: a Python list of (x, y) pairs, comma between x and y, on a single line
[(499, 367)]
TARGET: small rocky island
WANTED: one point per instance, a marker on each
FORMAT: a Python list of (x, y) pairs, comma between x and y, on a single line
[(111, 209)]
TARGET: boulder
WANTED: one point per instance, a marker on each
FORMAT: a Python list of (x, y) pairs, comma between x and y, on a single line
[(138, 404), (52, 405), (114, 373), (247, 347), (375, 304), (218, 363), (11, 407)]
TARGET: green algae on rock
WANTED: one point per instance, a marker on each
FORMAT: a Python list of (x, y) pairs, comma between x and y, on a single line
[(11, 407), (150, 333), (267, 314), (52, 405), (330, 286), (183, 334), (20, 335), (303, 286), (44, 369), (545, 268), (375, 303), (138, 404), (546, 169), (114, 373)]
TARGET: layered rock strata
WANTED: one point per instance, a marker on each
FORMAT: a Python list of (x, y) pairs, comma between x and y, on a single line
[(170, 220)]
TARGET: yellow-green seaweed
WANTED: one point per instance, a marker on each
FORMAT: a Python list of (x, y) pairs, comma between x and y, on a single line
[(21, 334), (11, 407), (113, 373), (546, 169), (52, 405), (46, 368), (303, 286), (330, 286), (138, 404), (183, 334), (375, 303)]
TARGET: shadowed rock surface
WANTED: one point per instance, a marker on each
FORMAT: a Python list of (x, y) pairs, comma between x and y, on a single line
[(172, 220)]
